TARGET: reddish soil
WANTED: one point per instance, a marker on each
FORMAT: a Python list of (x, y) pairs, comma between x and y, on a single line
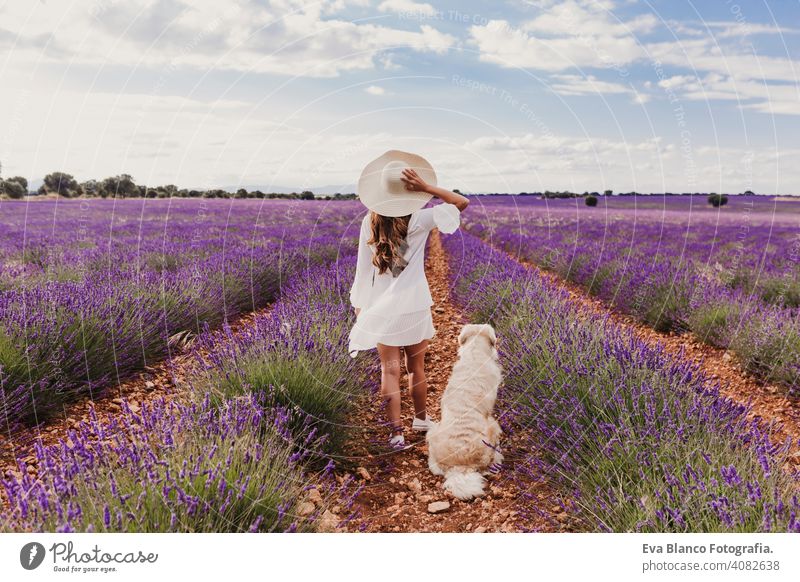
[(398, 487)]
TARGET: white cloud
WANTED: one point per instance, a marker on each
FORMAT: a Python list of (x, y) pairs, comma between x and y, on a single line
[(776, 98), (289, 37), (563, 36), (591, 85), (579, 35), (407, 8), (375, 90), (501, 43), (530, 162)]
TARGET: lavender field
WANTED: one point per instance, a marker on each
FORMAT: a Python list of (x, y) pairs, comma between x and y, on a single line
[(93, 290), (628, 438), (731, 275)]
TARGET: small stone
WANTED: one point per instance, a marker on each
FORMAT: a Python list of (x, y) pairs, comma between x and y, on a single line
[(726, 357), (117, 400), (392, 480), (305, 509), (438, 506), (480, 529), (327, 522), (149, 385), (414, 485), (364, 473), (314, 496), (562, 517), (424, 498)]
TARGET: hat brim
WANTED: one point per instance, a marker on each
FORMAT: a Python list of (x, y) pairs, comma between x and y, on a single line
[(374, 196)]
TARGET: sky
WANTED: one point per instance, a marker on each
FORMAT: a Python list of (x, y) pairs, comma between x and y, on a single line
[(503, 96)]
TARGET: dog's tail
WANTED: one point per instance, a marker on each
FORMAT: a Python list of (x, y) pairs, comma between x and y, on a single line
[(464, 482)]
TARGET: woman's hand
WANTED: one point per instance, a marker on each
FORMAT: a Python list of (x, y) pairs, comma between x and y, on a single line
[(413, 181)]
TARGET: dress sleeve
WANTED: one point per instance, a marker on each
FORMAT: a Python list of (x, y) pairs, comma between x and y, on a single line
[(444, 216), (361, 282)]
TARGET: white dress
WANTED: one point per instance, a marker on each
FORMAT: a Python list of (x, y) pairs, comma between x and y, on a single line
[(396, 310)]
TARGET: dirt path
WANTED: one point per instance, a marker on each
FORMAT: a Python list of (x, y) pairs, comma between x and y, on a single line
[(398, 487), (166, 380), (769, 402)]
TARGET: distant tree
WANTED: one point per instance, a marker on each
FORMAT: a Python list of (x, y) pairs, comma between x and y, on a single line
[(456, 190), (591, 200), (12, 189), (307, 195), (168, 191), (60, 183), (121, 186), (749, 193), (608, 193), (92, 189), (241, 193), (717, 200), (21, 181)]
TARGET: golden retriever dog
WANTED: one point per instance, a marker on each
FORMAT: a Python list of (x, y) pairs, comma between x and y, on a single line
[(464, 444)]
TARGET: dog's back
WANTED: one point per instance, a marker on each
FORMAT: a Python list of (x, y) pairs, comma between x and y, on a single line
[(459, 447)]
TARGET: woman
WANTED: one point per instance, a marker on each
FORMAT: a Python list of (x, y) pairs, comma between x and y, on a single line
[(390, 293)]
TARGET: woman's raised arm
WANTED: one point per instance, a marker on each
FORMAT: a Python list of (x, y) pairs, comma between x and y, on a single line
[(415, 183)]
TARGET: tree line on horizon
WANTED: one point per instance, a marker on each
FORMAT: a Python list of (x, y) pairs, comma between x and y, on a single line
[(124, 186)]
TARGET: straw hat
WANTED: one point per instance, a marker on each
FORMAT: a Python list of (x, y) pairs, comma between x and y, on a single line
[(381, 189)]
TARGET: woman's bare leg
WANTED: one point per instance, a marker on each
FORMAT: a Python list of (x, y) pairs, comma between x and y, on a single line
[(390, 384), (417, 382)]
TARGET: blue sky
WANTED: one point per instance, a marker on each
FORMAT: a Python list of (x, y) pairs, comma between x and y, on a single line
[(503, 96)]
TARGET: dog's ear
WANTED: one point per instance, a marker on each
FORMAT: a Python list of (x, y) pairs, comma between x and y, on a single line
[(490, 334), (467, 332)]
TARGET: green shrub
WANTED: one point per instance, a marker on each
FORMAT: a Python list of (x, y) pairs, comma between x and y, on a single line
[(712, 323), (780, 291)]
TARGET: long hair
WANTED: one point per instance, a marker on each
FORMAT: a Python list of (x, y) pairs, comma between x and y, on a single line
[(388, 235)]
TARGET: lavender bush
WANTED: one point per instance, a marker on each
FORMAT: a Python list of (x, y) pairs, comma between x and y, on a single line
[(172, 468), (300, 349), (635, 440)]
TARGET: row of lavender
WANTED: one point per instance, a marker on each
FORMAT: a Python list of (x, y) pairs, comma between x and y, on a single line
[(729, 275), (93, 290), (636, 441), (254, 451)]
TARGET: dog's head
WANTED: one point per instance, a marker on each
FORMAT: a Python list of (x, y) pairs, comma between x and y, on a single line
[(478, 332)]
